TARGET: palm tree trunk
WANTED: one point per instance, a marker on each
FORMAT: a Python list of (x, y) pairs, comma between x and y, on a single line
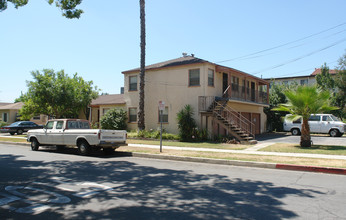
[(305, 138), (141, 122)]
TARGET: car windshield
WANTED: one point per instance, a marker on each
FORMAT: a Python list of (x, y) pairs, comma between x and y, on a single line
[(335, 118)]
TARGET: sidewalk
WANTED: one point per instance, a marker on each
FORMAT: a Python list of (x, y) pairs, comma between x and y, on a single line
[(251, 150)]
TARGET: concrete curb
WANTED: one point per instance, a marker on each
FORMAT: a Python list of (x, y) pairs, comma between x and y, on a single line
[(329, 170)]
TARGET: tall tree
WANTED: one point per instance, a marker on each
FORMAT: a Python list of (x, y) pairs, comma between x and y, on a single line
[(57, 95), (141, 114), (303, 102), (68, 7)]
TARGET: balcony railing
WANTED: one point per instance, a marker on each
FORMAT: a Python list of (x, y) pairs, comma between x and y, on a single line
[(242, 93)]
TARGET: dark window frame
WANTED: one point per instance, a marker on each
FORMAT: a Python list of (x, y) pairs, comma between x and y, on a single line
[(211, 80), (133, 86), (131, 117), (193, 81)]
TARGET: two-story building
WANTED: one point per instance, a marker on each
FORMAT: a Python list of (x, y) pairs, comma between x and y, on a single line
[(225, 100)]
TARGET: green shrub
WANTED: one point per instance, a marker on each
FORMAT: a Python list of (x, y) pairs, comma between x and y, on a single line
[(3, 124), (152, 134), (186, 124), (114, 119)]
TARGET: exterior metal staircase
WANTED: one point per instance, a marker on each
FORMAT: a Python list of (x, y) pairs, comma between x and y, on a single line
[(237, 125)]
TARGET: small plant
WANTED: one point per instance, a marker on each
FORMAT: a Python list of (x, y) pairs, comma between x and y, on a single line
[(114, 119)]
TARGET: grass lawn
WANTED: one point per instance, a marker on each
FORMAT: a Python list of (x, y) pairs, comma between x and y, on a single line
[(20, 140), (190, 144), (242, 157), (315, 149)]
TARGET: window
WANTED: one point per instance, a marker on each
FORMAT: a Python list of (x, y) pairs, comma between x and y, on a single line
[(59, 124), (37, 117), (303, 82), (132, 83), (105, 110), (194, 77), (164, 116), (72, 125), (132, 114), (326, 118), (315, 118), (210, 77), (5, 117), (49, 125)]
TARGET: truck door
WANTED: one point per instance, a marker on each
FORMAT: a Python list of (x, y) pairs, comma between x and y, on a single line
[(57, 133), (315, 123), (327, 124), (44, 138)]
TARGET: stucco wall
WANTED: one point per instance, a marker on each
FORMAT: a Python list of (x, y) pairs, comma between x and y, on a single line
[(171, 86)]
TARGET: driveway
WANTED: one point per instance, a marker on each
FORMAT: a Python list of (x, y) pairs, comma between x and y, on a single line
[(288, 138)]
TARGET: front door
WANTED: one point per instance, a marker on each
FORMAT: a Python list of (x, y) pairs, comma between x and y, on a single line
[(256, 119)]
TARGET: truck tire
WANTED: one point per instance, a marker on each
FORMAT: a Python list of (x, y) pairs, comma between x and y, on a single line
[(84, 148), (334, 133), (295, 131), (34, 144)]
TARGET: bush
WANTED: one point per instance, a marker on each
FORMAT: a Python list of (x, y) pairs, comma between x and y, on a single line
[(187, 124), (3, 124), (152, 134), (114, 119)]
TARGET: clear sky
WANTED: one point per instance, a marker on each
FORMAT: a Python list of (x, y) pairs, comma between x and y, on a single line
[(295, 37)]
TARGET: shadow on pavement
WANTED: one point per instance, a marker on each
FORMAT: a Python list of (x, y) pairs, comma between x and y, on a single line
[(139, 192)]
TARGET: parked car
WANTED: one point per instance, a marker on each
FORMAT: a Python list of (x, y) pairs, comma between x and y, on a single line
[(19, 127), (319, 123), (76, 132)]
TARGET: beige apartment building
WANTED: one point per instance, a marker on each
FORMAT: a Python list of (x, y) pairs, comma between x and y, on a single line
[(225, 100)]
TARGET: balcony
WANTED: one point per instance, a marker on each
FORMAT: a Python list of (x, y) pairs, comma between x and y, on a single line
[(242, 93)]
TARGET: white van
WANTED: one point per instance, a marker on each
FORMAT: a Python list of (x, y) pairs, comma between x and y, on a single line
[(319, 123)]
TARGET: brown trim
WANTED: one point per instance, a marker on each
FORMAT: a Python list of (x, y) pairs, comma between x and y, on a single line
[(160, 68), (231, 70)]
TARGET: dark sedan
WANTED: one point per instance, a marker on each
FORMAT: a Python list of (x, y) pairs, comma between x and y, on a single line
[(19, 127)]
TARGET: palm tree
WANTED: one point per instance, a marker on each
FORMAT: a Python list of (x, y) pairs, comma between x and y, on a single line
[(141, 122), (303, 102)]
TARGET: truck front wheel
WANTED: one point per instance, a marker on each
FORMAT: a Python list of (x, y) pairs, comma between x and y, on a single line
[(334, 133), (295, 131), (84, 148), (34, 144)]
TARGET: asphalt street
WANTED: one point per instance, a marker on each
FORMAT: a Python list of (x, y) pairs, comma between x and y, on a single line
[(47, 184)]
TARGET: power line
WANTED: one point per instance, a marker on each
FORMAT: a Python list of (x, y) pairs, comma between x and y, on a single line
[(301, 57), (272, 48)]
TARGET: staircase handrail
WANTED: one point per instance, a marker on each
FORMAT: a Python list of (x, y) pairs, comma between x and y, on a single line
[(241, 118)]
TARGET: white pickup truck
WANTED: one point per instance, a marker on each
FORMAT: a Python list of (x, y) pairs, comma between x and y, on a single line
[(76, 132), (319, 123)]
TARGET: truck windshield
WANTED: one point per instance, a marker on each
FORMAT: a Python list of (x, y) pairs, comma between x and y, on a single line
[(335, 118)]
